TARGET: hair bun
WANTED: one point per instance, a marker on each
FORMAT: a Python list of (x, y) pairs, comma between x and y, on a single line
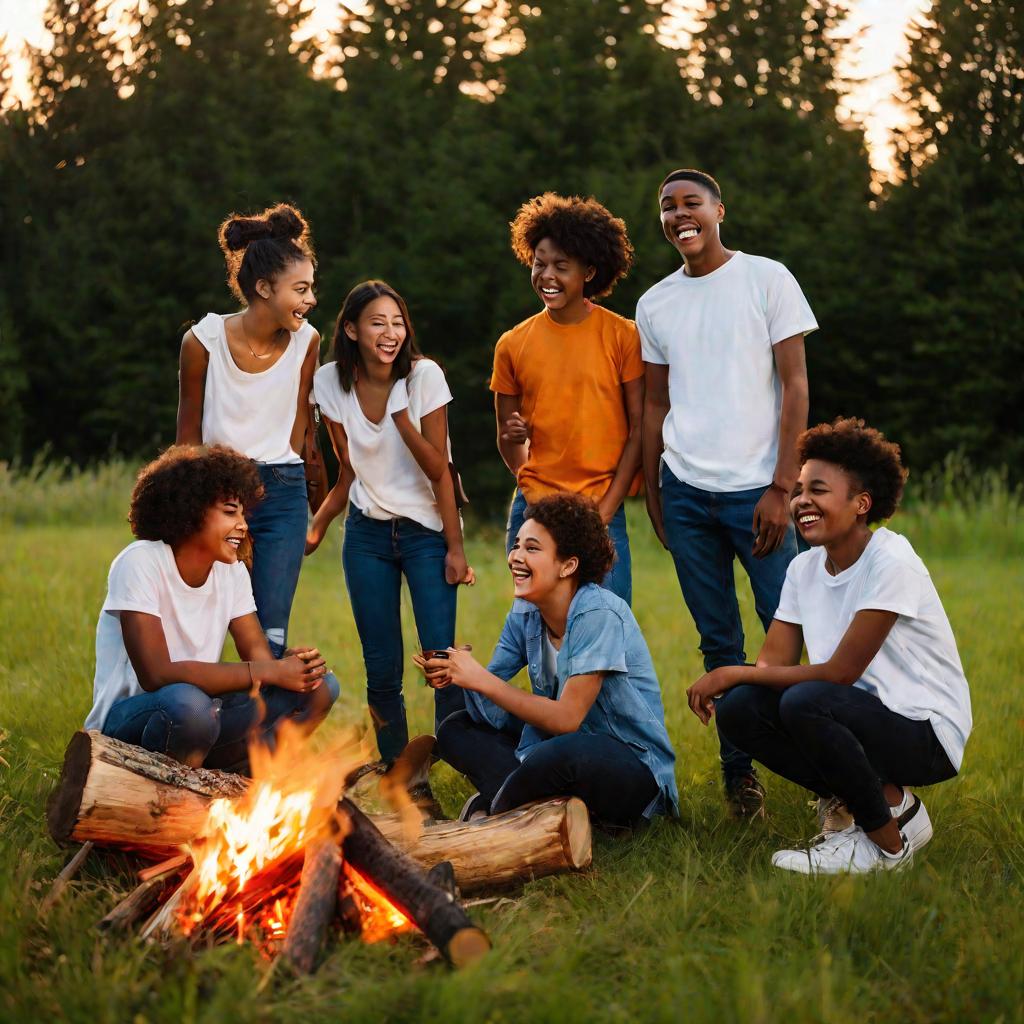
[(237, 232), (284, 221)]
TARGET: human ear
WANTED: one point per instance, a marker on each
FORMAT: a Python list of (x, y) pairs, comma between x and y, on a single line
[(350, 331), (263, 289), (568, 568), (589, 275), (863, 503)]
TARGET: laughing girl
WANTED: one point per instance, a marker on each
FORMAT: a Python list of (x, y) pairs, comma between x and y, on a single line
[(883, 703), (385, 406), (245, 380)]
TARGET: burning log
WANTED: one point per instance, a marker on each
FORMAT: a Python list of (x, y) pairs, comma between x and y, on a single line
[(156, 881), (434, 911), (314, 907), (116, 794)]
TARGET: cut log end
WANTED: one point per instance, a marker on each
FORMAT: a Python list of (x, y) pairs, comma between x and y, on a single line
[(577, 835), (467, 946), (65, 802)]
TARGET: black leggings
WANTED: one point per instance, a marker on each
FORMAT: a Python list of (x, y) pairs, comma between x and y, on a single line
[(603, 772), (835, 741)]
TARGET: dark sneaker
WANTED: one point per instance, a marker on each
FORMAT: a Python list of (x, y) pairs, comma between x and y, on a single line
[(745, 796)]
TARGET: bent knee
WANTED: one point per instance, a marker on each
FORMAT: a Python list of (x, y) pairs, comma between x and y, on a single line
[(805, 700), (191, 714)]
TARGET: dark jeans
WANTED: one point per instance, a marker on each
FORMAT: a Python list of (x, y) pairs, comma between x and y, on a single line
[(277, 526), (602, 771), (706, 531), (620, 578), (835, 741), (375, 554), (185, 723)]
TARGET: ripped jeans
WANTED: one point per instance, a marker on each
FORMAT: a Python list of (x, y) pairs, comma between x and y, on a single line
[(185, 723), (277, 526)]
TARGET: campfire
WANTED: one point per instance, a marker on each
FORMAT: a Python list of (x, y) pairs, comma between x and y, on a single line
[(286, 860)]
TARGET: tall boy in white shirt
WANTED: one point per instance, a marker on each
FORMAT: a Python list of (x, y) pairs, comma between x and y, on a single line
[(726, 397), (883, 702)]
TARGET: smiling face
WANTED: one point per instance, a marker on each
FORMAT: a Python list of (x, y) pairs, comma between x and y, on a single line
[(827, 504), (558, 278), (290, 295), (379, 332), (690, 216), (534, 563), (223, 531)]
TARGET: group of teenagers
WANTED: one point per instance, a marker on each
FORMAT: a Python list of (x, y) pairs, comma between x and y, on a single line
[(702, 403)]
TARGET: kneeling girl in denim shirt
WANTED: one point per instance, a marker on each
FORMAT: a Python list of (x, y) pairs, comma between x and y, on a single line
[(593, 725)]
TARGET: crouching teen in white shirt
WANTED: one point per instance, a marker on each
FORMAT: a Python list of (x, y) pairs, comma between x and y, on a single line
[(884, 702), (172, 598)]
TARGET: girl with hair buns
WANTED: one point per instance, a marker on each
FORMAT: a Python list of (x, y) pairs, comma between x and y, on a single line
[(245, 381)]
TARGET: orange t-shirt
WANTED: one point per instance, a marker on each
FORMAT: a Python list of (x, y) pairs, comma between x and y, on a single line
[(569, 380)]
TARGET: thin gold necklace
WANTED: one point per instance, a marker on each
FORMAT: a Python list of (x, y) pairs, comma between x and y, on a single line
[(248, 344)]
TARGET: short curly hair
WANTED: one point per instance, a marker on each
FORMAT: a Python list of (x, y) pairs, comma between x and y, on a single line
[(581, 228), (863, 453), (175, 491), (578, 530)]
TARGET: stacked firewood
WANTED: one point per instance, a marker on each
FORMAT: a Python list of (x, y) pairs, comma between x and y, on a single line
[(116, 795)]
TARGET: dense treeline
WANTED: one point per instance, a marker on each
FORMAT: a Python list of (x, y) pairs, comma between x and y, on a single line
[(115, 180)]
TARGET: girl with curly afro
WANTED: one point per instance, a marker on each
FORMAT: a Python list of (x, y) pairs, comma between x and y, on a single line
[(568, 381), (593, 725), (172, 597), (883, 703), (245, 381)]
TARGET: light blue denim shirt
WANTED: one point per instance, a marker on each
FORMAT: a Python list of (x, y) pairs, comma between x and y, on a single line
[(601, 635)]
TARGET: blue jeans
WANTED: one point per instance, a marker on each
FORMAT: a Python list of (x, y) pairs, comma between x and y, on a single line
[(375, 554), (835, 741), (706, 531), (620, 579), (277, 526), (603, 772), (185, 723)]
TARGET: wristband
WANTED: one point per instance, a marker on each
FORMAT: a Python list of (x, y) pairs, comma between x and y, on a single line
[(252, 682)]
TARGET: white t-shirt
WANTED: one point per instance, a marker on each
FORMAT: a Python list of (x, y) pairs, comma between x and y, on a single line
[(389, 483), (145, 578), (251, 412), (917, 671), (715, 333)]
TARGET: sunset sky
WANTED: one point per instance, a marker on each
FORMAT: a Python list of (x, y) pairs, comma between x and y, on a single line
[(879, 25)]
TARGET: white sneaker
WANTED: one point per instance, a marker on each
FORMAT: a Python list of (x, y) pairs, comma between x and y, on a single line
[(913, 820), (849, 851)]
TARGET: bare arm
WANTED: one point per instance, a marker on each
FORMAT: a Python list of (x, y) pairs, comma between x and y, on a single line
[(192, 365), (771, 515), (429, 444), (146, 645), (554, 717), (337, 497), (656, 408), (302, 412), (513, 432), (629, 460), (861, 642)]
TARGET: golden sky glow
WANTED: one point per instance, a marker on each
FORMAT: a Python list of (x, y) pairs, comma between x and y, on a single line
[(876, 31)]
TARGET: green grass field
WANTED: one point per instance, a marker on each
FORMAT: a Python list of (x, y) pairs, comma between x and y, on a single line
[(687, 921)]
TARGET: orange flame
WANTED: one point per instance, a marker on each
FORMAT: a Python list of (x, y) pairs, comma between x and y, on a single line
[(247, 859)]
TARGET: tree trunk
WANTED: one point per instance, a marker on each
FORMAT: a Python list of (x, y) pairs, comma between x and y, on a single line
[(502, 850), (114, 793)]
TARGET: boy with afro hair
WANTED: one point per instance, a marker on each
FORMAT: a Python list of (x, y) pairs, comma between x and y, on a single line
[(172, 597), (883, 702), (568, 381)]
